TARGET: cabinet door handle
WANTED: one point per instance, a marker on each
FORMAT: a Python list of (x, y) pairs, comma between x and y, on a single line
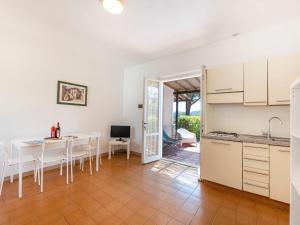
[(256, 102), (223, 89), (283, 100), (259, 160), (282, 150), (261, 173), (220, 143), (256, 185), (248, 146)]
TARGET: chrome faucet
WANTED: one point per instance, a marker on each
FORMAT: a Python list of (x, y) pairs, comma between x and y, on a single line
[(270, 120)]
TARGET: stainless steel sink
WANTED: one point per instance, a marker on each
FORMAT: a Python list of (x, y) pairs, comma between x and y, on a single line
[(264, 138), (280, 139), (256, 137)]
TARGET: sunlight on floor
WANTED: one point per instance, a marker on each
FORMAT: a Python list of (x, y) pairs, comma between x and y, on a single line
[(183, 173)]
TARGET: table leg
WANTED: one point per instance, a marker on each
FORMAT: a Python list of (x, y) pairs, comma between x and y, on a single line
[(109, 152), (128, 151), (97, 159), (67, 162), (20, 173)]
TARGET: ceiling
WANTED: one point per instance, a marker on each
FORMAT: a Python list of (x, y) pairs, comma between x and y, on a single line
[(155, 28)]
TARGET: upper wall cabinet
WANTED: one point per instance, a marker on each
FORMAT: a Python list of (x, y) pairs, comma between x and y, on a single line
[(282, 71), (255, 83), (225, 79)]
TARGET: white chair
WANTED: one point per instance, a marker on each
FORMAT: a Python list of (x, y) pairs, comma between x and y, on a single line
[(10, 161), (95, 144), (79, 149), (186, 136), (45, 158)]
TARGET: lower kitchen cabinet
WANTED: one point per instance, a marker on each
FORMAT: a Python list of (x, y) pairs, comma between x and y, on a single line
[(221, 162), (280, 173)]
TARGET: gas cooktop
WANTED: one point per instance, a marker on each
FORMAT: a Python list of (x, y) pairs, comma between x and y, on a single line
[(224, 134)]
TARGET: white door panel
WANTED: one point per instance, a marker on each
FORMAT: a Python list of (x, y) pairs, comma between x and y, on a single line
[(152, 121)]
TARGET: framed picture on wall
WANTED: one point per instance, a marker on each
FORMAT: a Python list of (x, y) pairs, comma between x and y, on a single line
[(71, 94)]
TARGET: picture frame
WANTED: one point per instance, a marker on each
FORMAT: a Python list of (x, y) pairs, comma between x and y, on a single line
[(71, 93)]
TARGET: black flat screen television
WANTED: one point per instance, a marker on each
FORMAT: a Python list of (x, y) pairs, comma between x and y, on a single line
[(120, 132)]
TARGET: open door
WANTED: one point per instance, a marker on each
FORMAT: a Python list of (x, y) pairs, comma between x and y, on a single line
[(203, 128), (152, 139)]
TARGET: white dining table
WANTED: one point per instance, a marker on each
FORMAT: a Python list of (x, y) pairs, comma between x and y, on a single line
[(31, 143)]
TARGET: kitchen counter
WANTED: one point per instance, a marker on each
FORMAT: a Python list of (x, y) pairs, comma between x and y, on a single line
[(285, 142)]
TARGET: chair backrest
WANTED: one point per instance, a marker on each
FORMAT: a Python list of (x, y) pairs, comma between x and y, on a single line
[(5, 151), (184, 133), (82, 142), (166, 136), (95, 139), (54, 144)]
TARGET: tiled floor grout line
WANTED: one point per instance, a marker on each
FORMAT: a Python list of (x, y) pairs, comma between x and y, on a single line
[(182, 172), (181, 163), (165, 167)]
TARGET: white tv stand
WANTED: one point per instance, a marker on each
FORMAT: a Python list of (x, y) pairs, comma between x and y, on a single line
[(116, 142)]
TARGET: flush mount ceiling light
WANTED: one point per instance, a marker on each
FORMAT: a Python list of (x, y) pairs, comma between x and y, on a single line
[(113, 6)]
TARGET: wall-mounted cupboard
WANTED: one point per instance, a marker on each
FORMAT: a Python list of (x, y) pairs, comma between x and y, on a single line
[(256, 83), (261, 82), (282, 71), (225, 79), (225, 84), (234, 97)]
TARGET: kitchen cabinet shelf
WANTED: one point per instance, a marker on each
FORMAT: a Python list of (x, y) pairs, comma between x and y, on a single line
[(296, 136), (296, 186), (295, 151)]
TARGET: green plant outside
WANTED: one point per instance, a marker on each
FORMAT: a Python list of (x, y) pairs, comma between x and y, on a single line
[(191, 123)]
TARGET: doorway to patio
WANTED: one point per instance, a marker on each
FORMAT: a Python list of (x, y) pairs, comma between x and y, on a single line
[(182, 120)]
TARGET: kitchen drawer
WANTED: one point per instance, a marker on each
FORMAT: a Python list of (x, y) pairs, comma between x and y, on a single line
[(256, 149), (256, 162), (236, 97), (256, 187), (256, 175)]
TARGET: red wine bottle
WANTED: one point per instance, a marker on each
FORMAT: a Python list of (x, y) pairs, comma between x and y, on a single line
[(57, 133)]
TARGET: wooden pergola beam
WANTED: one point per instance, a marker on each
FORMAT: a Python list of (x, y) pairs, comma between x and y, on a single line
[(186, 92), (181, 98), (169, 84), (191, 84), (197, 79), (180, 85)]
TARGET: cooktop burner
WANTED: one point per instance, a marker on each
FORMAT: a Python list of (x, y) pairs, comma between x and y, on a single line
[(222, 133)]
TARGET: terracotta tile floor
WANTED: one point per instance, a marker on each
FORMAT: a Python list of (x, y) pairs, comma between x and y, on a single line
[(125, 192)]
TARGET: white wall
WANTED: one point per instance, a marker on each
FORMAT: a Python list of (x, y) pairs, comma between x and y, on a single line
[(277, 40), (168, 110), (33, 58), (249, 120)]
